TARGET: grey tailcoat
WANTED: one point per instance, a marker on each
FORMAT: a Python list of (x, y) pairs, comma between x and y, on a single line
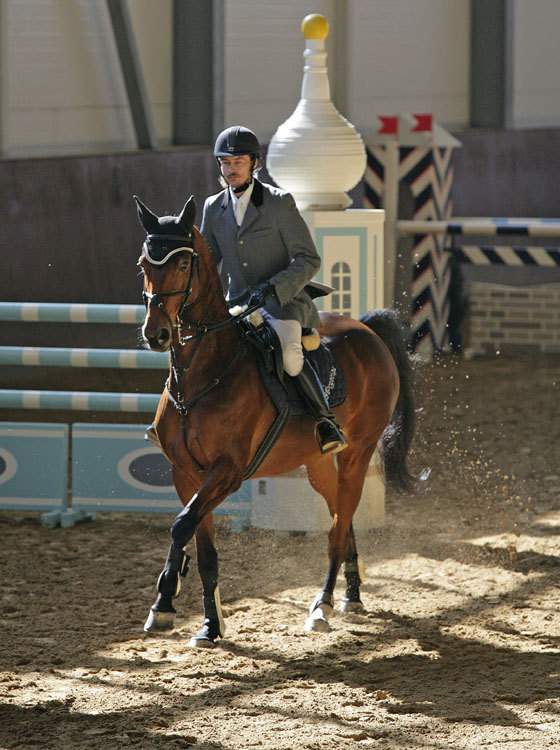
[(272, 244)]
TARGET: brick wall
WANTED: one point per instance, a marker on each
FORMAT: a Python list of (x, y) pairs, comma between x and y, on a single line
[(508, 317)]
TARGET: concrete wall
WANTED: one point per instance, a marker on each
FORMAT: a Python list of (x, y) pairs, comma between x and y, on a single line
[(507, 173), (70, 232)]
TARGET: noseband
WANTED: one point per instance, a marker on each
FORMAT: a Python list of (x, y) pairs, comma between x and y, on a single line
[(156, 300)]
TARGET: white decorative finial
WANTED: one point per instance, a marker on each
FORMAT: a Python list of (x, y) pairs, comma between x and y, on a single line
[(316, 155)]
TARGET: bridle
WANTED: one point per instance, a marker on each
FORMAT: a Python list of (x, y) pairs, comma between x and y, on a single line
[(156, 300), (200, 329)]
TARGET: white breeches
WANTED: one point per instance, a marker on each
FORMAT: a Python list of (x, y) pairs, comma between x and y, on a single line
[(289, 333)]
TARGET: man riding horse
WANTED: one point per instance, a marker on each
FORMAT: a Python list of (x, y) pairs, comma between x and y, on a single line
[(266, 256)]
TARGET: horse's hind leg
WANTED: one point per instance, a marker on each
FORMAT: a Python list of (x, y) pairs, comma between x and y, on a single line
[(323, 477), (213, 625), (352, 469)]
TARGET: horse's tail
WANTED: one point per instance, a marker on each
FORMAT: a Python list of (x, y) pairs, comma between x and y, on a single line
[(397, 436)]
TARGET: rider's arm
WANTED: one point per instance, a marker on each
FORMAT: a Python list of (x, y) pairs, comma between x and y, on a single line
[(304, 258)]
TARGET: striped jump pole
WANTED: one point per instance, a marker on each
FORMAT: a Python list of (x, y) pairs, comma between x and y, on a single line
[(62, 357), (79, 400), (62, 312), (484, 226), (481, 255)]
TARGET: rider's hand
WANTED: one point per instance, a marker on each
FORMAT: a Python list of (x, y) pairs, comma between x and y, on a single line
[(260, 295)]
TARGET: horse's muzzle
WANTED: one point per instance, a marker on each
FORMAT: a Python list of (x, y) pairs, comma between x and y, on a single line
[(158, 340)]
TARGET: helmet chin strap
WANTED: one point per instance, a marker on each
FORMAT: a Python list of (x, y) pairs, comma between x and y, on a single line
[(242, 188)]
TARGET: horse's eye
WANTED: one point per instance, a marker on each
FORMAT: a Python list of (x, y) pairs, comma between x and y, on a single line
[(183, 265)]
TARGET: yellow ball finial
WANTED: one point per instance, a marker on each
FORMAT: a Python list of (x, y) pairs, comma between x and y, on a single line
[(315, 26)]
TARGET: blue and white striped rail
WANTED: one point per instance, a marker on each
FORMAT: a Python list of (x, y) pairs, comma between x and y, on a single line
[(508, 256), (60, 357), (79, 401), (524, 227), (61, 312)]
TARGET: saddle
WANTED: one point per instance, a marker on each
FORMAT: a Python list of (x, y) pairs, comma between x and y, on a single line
[(281, 387)]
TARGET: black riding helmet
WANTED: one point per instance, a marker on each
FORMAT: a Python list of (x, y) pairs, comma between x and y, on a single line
[(237, 141)]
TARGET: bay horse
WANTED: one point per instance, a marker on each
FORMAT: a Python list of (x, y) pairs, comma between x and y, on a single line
[(215, 413)]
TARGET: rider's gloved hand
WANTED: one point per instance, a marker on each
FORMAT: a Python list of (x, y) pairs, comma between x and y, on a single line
[(260, 294)]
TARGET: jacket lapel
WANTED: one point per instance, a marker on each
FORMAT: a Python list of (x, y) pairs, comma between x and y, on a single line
[(226, 215), (251, 214), (253, 209)]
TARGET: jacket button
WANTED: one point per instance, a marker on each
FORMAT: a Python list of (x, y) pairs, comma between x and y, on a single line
[(240, 242), (245, 264)]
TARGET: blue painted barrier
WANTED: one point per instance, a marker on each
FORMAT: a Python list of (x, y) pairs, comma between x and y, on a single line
[(50, 356), (115, 469), (33, 466), (71, 312), (79, 400)]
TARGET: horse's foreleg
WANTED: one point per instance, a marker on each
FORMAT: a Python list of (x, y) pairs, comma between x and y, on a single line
[(213, 625), (221, 479), (355, 575), (352, 468), (162, 614)]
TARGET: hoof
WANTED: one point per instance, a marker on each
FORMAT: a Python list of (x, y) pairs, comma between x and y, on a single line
[(200, 641), (317, 624), (352, 607), (206, 636), (159, 622)]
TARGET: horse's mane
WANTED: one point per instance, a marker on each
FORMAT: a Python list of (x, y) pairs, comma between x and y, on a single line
[(208, 266)]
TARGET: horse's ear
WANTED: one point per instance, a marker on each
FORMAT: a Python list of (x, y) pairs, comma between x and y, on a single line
[(149, 221), (187, 215)]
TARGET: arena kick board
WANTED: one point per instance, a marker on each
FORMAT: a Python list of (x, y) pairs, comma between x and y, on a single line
[(115, 469), (33, 466)]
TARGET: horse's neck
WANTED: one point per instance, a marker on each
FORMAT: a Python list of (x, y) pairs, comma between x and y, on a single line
[(201, 360)]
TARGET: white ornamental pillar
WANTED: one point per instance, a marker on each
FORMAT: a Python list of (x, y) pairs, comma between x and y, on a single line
[(318, 156)]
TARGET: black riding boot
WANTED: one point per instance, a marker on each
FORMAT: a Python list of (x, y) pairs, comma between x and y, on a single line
[(328, 434)]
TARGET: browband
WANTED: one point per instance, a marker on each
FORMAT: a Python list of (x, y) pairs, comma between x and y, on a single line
[(166, 238), (146, 252), (173, 237)]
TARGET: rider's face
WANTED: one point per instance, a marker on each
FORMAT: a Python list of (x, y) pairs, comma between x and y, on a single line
[(236, 170)]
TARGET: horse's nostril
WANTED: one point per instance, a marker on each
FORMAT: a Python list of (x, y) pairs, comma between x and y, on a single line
[(163, 336)]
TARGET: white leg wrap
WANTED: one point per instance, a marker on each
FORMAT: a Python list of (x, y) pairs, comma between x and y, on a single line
[(219, 611)]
